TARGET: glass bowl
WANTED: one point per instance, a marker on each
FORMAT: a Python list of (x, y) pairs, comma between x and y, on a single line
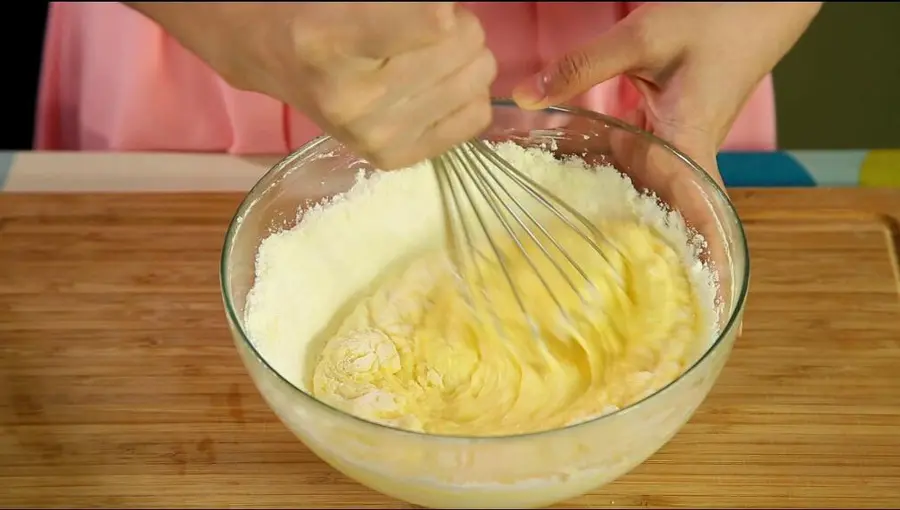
[(527, 470)]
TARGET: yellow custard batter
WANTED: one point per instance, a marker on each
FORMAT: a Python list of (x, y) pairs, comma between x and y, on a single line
[(423, 354)]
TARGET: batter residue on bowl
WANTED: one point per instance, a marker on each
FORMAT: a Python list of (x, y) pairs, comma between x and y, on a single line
[(333, 313)]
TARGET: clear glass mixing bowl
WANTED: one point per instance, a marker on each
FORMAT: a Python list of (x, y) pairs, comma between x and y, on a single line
[(529, 470)]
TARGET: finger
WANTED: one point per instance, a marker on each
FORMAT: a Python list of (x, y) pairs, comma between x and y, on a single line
[(699, 145), (387, 29), (461, 125), (700, 209), (655, 168), (652, 167), (347, 98), (410, 119), (615, 52), (421, 69), (407, 77)]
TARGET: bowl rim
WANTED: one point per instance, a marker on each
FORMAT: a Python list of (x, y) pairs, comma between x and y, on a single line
[(284, 165)]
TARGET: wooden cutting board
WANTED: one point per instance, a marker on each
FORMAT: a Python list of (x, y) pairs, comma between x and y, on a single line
[(119, 384)]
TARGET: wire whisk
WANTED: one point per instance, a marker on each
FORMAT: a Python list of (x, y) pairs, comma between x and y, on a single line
[(509, 253)]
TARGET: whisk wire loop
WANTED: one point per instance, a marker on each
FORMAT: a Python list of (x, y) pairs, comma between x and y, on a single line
[(512, 199), (492, 198), (447, 171), (545, 198), (477, 163)]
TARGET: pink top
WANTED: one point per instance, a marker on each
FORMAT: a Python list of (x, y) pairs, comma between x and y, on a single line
[(114, 80)]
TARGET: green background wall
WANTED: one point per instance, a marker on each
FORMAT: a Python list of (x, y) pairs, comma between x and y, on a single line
[(839, 88)]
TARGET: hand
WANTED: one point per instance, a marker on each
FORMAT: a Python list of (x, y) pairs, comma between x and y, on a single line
[(396, 82), (694, 64)]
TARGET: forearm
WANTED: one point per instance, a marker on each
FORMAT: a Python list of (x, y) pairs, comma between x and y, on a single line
[(207, 29), (177, 17), (763, 32), (787, 21), (744, 42)]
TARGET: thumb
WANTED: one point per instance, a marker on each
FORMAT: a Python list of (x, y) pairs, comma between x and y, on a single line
[(613, 53), (698, 146)]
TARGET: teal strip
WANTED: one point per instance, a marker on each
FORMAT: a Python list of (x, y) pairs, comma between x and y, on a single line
[(832, 168), (6, 163), (762, 169)]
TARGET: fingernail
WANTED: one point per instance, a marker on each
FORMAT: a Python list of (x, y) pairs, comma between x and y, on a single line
[(532, 92)]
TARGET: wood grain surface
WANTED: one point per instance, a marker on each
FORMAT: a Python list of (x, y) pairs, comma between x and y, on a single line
[(119, 384)]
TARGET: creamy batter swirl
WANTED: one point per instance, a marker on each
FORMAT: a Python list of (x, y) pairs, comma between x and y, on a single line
[(423, 354)]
